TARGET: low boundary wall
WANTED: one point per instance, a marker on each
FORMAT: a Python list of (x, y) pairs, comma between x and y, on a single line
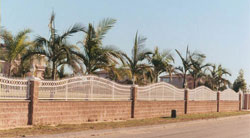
[(202, 106), (13, 114), (72, 112), (148, 109), (144, 102), (226, 106)]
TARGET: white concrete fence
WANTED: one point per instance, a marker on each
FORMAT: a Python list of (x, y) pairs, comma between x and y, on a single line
[(96, 88)]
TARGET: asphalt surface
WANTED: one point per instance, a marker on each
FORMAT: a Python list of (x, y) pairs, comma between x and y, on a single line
[(228, 127)]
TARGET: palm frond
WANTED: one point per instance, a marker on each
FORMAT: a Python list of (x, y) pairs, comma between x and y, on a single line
[(104, 26), (74, 29)]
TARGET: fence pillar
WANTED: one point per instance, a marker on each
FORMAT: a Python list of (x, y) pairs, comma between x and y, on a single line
[(239, 101), (218, 101), (186, 101), (134, 99), (247, 95), (33, 90)]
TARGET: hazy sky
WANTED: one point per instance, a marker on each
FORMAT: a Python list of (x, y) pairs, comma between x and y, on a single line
[(218, 28)]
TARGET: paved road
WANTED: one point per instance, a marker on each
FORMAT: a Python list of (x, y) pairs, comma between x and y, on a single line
[(230, 127)]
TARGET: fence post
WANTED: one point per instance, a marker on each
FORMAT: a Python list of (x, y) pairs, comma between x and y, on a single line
[(218, 101), (134, 99), (239, 101), (33, 89), (247, 100), (186, 101)]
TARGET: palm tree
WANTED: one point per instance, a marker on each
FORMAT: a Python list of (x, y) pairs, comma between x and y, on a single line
[(56, 49), (215, 79), (61, 73), (72, 61), (118, 74), (135, 63), (16, 46), (161, 63), (94, 56), (198, 69), (187, 64), (221, 81)]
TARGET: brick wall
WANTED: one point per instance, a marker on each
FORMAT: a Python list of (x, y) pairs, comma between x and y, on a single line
[(59, 112), (202, 106), (229, 106), (146, 109), (13, 113)]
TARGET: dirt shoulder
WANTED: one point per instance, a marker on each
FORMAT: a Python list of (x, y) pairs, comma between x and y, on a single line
[(43, 130)]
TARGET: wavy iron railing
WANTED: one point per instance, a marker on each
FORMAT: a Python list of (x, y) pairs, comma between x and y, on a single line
[(202, 93), (97, 88), (229, 95), (166, 92), (84, 88), (14, 88), (160, 92)]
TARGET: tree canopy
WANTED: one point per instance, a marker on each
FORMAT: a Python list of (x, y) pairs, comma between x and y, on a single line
[(90, 55), (240, 83)]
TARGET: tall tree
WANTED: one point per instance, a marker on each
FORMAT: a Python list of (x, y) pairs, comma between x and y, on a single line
[(216, 79), (161, 62), (240, 83), (186, 62), (185, 65), (56, 47), (94, 55), (15, 47), (118, 74), (198, 68), (135, 62)]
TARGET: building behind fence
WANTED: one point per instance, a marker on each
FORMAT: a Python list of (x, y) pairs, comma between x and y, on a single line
[(90, 98)]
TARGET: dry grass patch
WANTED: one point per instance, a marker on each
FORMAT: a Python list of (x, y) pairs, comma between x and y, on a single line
[(40, 130)]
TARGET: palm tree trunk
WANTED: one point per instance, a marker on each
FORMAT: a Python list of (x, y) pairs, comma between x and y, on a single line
[(194, 82), (133, 78), (184, 79), (9, 73), (54, 71), (88, 68), (156, 77)]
